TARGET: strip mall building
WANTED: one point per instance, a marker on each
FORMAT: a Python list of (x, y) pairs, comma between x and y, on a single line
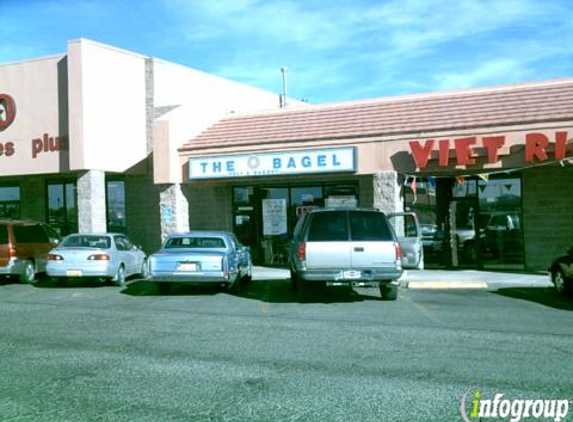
[(103, 139)]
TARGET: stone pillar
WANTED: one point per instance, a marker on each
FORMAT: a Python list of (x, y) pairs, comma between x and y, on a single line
[(387, 192), (174, 210), (91, 202)]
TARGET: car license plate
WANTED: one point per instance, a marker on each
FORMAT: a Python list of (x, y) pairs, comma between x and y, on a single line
[(74, 273), (351, 275), (187, 267)]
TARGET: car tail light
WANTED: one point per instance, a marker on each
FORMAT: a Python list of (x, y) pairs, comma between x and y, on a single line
[(398, 251), (226, 268), (99, 257), (54, 257), (302, 253)]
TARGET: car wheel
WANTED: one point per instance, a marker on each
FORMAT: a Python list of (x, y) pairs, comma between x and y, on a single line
[(120, 276), (237, 286), (559, 281), (28, 274), (389, 291), (294, 281)]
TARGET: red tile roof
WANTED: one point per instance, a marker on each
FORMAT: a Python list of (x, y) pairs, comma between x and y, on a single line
[(477, 108)]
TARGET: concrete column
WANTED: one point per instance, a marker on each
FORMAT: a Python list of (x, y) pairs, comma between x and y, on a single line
[(91, 202), (174, 210), (387, 197)]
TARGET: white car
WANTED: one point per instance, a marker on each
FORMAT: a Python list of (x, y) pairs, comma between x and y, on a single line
[(106, 256)]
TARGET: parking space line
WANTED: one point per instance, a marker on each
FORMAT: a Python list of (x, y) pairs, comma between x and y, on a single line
[(422, 309)]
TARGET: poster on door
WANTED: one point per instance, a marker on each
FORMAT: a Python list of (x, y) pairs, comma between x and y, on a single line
[(274, 217)]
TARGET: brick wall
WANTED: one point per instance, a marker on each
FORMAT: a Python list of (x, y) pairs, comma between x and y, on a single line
[(547, 214), (210, 207)]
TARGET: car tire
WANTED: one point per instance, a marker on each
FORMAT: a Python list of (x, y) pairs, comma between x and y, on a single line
[(249, 276), (389, 291), (120, 276), (28, 274), (236, 287), (560, 282), (294, 281)]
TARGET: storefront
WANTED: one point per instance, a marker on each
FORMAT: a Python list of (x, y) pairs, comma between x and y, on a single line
[(103, 139), (484, 170), (89, 138)]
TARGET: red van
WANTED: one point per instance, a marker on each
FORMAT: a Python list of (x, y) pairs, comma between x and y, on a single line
[(23, 248)]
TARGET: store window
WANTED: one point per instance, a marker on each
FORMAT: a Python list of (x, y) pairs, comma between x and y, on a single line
[(469, 222), (9, 202), (62, 207), (264, 217), (115, 205)]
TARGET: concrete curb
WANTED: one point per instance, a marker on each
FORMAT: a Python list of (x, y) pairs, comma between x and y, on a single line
[(445, 285)]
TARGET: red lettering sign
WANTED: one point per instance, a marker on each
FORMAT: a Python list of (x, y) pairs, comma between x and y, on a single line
[(7, 149), (7, 111), (421, 154), (535, 146), (466, 149), (47, 144)]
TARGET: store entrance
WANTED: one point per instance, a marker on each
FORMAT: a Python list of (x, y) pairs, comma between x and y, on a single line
[(470, 223), (264, 217)]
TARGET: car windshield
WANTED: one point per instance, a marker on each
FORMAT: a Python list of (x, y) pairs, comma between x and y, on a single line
[(195, 242), (84, 241)]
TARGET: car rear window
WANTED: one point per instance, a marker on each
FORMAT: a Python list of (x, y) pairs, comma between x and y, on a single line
[(371, 226), (196, 243), (30, 234), (87, 241), (3, 234), (328, 227)]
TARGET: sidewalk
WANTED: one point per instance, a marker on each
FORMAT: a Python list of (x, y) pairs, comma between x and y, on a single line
[(441, 279)]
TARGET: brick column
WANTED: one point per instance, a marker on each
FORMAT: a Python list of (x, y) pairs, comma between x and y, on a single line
[(91, 202), (387, 190), (174, 210)]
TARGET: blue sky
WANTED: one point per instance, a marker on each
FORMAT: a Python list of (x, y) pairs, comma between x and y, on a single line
[(334, 50)]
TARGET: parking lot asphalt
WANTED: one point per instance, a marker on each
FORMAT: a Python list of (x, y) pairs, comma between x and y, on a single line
[(439, 279)]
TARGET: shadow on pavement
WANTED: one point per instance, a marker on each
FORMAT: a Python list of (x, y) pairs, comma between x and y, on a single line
[(270, 291), (543, 295), (49, 283)]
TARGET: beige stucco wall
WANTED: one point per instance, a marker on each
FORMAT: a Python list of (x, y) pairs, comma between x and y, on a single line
[(36, 88), (107, 107)]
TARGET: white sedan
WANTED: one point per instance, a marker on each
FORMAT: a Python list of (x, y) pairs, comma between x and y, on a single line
[(103, 256)]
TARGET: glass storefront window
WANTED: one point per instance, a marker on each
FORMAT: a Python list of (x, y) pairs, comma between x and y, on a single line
[(9, 202), (500, 223), (116, 215), (62, 207), (264, 217), (472, 222)]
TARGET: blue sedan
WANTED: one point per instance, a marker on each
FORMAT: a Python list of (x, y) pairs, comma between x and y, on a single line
[(201, 257)]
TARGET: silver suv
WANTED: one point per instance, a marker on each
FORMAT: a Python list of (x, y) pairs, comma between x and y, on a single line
[(337, 247)]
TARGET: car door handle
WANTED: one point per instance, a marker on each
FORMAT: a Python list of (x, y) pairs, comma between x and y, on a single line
[(358, 249)]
